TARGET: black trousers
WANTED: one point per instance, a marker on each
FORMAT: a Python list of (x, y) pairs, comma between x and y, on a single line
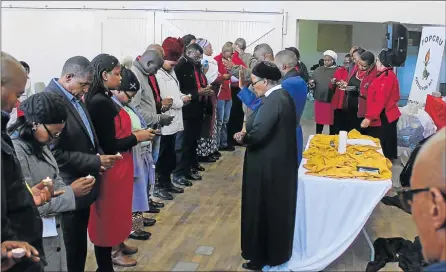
[(374, 132), (186, 147), (104, 258), (341, 121), (320, 128), (235, 123), (166, 160), (389, 141), (74, 227)]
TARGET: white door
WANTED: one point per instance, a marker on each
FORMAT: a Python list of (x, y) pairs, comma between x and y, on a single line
[(127, 33), (219, 27)]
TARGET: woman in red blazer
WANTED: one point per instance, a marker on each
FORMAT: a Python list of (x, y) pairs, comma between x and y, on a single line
[(340, 115), (382, 111), (366, 64)]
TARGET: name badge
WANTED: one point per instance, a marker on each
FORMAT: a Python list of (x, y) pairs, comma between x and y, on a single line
[(49, 226)]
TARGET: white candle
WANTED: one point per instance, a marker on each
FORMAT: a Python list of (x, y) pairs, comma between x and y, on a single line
[(47, 181), (18, 252), (118, 154), (90, 177)]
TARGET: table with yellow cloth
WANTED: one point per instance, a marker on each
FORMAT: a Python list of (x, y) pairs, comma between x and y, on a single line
[(334, 200)]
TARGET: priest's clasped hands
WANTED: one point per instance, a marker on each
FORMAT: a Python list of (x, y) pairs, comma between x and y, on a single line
[(238, 137)]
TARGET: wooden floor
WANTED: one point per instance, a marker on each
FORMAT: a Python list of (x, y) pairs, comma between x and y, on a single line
[(200, 229)]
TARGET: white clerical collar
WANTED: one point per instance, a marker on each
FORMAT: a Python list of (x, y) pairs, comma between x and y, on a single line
[(278, 87)]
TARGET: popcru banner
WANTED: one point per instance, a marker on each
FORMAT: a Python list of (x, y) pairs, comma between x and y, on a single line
[(427, 70)]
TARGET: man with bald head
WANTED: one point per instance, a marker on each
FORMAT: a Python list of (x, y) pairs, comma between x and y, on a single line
[(148, 100), (240, 47), (20, 217), (249, 99), (287, 60), (156, 47), (427, 197)]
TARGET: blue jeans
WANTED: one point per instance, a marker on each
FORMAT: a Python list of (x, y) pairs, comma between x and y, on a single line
[(223, 113), (156, 148)]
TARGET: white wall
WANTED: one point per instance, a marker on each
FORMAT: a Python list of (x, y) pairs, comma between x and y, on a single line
[(367, 35), (409, 12)]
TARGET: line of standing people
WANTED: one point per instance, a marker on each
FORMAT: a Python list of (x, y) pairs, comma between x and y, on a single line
[(120, 128)]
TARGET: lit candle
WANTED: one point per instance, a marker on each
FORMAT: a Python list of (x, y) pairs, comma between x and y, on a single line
[(118, 154), (47, 181), (89, 177)]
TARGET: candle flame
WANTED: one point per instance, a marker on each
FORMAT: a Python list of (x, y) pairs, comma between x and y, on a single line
[(428, 56)]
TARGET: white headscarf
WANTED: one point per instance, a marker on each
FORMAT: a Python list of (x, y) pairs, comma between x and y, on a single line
[(332, 54), (212, 72)]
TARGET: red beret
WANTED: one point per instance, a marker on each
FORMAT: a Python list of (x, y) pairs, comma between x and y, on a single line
[(173, 48)]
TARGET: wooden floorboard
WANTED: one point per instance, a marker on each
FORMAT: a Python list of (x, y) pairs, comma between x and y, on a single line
[(208, 214)]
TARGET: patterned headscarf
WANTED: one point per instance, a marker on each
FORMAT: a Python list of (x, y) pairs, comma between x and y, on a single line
[(203, 43)]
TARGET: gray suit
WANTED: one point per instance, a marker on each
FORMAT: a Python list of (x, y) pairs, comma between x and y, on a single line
[(35, 170)]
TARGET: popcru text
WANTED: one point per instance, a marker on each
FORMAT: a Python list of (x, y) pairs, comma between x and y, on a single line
[(432, 38)]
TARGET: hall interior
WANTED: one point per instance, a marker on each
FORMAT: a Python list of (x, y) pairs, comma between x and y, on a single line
[(200, 229)]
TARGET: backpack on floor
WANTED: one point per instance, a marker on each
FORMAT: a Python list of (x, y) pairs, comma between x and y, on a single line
[(406, 173)]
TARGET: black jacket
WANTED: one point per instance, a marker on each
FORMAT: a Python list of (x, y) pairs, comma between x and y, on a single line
[(20, 217), (103, 111), (74, 152), (185, 73)]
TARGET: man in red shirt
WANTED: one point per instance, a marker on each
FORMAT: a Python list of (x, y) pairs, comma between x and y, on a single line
[(224, 102)]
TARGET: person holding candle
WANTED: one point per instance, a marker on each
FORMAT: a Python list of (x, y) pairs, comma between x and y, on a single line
[(44, 118), (19, 216), (319, 83), (110, 220)]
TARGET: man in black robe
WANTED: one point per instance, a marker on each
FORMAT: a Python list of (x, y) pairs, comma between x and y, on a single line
[(269, 187)]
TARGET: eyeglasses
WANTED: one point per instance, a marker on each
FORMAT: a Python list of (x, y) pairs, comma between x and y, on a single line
[(406, 196), (254, 83), (51, 135), (128, 96)]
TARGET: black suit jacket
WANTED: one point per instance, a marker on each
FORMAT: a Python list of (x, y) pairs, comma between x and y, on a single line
[(19, 215), (75, 154), (185, 73)]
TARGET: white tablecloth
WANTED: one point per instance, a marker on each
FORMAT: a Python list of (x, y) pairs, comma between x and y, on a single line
[(330, 213)]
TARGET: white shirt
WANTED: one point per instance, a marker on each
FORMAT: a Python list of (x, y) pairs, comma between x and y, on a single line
[(278, 87), (170, 88), (212, 72)]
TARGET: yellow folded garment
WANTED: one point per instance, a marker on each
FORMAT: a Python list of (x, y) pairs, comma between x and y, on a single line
[(354, 134), (324, 160)]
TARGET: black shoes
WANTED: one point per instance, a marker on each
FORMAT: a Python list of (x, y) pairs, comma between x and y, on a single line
[(207, 159), (226, 148), (140, 235), (174, 189), (148, 222), (216, 154), (198, 168), (193, 176), (251, 266), (182, 181), (163, 194), (156, 204)]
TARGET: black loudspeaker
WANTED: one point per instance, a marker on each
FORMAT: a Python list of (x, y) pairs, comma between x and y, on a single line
[(400, 36)]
